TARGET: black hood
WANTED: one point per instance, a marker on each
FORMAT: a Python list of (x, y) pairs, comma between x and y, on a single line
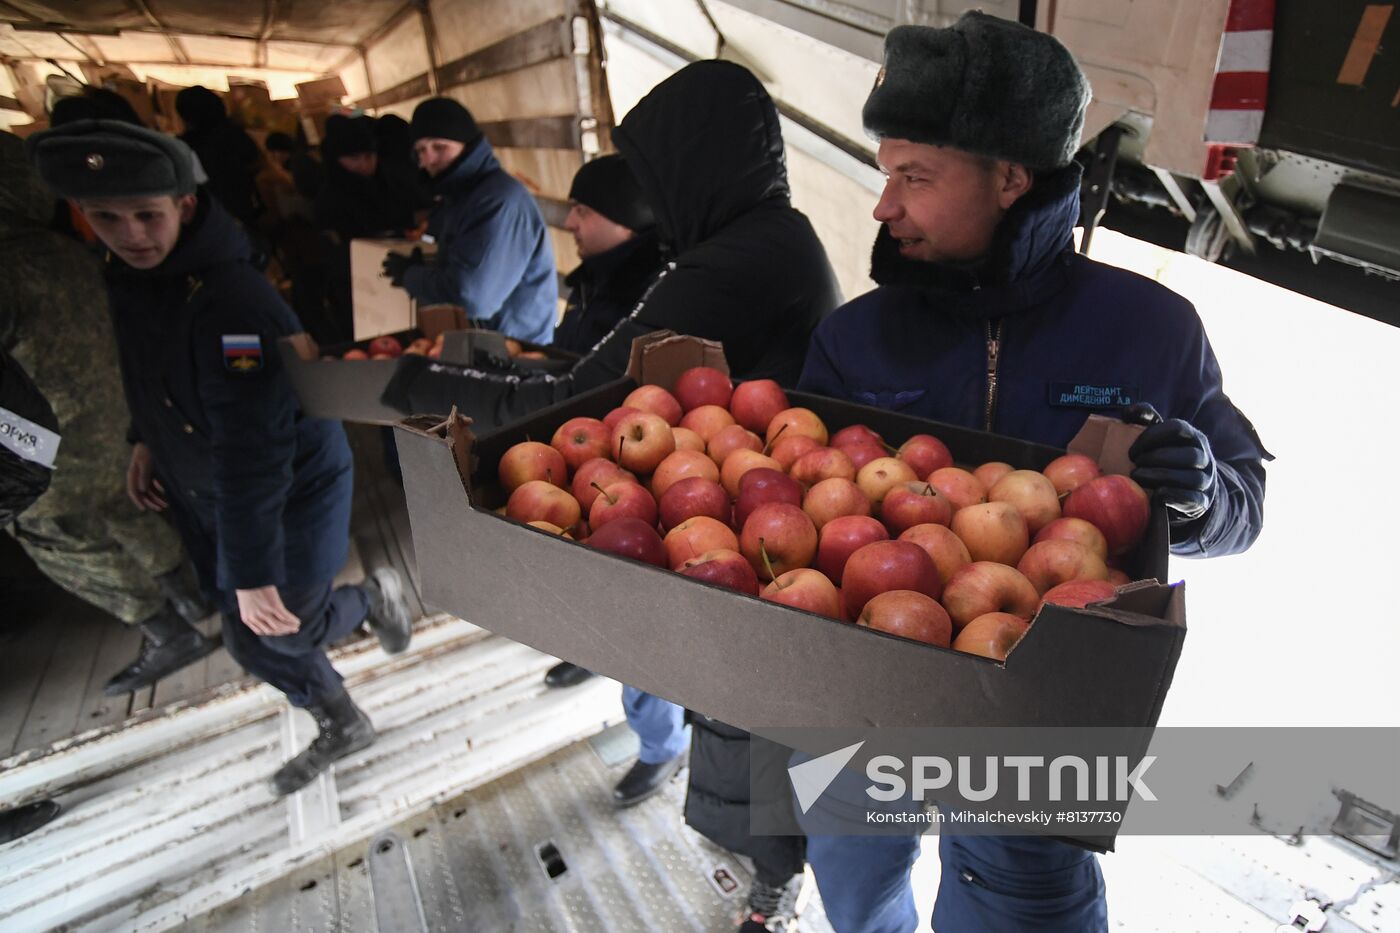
[(706, 147), (1027, 258), (213, 238)]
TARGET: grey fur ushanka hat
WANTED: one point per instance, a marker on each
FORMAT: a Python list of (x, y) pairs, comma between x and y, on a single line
[(984, 85), (112, 159)]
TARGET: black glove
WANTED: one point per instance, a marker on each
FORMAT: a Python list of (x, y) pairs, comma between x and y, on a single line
[(1172, 460), (396, 264)]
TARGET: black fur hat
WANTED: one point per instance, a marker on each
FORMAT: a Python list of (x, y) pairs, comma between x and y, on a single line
[(984, 85)]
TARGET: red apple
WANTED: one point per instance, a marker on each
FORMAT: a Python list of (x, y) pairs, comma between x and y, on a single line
[(419, 347), (1118, 577), (740, 462), (613, 417), (778, 537), (1033, 495), (796, 421), (909, 615), (682, 464), (693, 496), (992, 635), (1071, 471), (1079, 593), (600, 471), (695, 536), (989, 473), (879, 476), (945, 548), (531, 460), (884, 566), (994, 531), (787, 450), (925, 453), (910, 504), (703, 385), (842, 537), (862, 452), (1050, 563), (822, 463), (622, 499), (755, 403), (385, 346), (735, 437), (545, 526), (832, 498), (1115, 505), (807, 589), (960, 486), (630, 537), (856, 434), (983, 586), (641, 441), (1076, 530), (540, 501), (707, 420), (354, 354), (687, 439), (657, 401), (723, 567), (580, 440), (762, 485)]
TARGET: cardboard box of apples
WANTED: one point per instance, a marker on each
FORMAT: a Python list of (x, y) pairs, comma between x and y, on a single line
[(774, 559), (346, 382)]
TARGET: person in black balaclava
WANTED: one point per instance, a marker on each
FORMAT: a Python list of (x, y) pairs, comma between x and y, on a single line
[(228, 154)]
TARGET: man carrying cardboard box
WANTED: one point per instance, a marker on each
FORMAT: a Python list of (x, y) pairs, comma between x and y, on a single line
[(260, 493), (494, 257), (1000, 325)]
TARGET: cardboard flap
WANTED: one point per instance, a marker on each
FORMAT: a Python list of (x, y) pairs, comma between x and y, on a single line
[(660, 357), (1106, 440), (441, 319), (1145, 602), (305, 345)]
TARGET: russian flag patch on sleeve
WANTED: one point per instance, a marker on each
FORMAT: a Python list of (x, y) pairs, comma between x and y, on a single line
[(242, 353)]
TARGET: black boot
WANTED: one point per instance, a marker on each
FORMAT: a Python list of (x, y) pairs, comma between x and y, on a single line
[(180, 588), (772, 907), (389, 617), (21, 821), (645, 780), (565, 674), (170, 644), (343, 729)]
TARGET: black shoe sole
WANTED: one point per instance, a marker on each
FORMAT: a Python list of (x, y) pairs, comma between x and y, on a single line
[(113, 689)]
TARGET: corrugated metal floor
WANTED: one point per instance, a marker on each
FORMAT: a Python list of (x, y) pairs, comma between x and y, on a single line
[(540, 850)]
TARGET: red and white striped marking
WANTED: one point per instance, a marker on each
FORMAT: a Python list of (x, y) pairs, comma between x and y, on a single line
[(1242, 74)]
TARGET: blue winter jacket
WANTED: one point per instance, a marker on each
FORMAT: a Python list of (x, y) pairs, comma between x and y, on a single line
[(260, 492), (494, 256), (1032, 342)]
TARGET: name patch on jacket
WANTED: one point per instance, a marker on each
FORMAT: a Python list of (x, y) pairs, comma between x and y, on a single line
[(1087, 395), (242, 353)]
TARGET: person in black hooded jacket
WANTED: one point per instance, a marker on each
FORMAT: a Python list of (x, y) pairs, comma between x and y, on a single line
[(228, 154), (744, 267)]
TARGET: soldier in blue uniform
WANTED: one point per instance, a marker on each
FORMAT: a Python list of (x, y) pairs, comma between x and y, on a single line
[(259, 492)]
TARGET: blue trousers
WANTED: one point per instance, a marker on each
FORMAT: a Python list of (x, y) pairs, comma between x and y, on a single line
[(297, 664), (989, 884), (660, 724)]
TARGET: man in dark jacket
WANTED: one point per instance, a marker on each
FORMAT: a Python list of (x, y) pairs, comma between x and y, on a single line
[(494, 257), (357, 199), (259, 492), (227, 152), (615, 232), (986, 317)]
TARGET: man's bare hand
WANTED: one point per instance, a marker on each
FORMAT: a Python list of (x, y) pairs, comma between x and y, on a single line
[(141, 484), (263, 612)]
